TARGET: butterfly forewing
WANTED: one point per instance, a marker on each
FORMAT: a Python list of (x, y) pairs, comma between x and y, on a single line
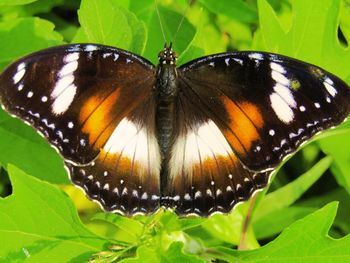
[(84, 99), (265, 105)]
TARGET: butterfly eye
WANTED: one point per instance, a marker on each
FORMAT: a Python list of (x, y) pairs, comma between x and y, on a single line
[(161, 55), (175, 56)]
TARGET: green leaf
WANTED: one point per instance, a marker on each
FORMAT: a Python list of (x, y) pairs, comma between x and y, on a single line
[(236, 10), (129, 225), (339, 148), (305, 240), (22, 146), (276, 221), (105, 22), (228, 228), (287, 195), (34, 7), (175, 254), (345, 19), (314, 28), (39, 221), (25, 35), (144, 255), (342, 219), (16, 2), (146, 11)]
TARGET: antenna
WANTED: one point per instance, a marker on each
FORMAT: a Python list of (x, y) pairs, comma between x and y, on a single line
[(160, 21), (182, 19)]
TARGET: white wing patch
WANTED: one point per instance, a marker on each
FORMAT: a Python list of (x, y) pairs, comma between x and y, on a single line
[(135, 143), (206, 141)]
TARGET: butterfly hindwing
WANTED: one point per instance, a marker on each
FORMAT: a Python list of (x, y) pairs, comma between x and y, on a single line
[(266, 105)]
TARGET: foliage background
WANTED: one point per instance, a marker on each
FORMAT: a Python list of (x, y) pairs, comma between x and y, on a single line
[(302, 216)]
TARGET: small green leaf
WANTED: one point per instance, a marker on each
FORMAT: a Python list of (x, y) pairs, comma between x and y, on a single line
[(305, 240), (228, 228), (129, 225), (144, 255), (38, 221), (25, 35), (175, 254)]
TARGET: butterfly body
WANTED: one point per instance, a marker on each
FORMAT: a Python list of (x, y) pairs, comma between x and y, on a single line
[(198, 138), (166, 93)]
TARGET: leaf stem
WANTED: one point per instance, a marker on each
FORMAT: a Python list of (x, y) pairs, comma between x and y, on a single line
[(243, 239)]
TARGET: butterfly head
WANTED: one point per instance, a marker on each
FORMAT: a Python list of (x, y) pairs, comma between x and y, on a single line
[(167, 55)]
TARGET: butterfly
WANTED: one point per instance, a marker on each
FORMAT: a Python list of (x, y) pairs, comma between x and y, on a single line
[(198, 138)]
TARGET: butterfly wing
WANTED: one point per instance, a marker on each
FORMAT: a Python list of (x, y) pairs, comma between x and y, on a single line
[(265, 104), (205, 174), (90, 101), (240, 114)]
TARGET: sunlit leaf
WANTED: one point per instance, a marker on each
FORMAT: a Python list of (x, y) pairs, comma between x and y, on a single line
[(38, 221), (305, 240), (24, 35)]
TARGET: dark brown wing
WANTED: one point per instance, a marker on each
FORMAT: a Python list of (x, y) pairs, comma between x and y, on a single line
[(239, 115), (205, 175), (82, 98), (266, 105)]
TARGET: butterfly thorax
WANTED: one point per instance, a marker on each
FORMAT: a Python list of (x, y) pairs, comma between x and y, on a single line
[(166, 92)]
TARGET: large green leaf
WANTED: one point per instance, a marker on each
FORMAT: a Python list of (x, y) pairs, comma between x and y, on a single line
[(24, 35), (312, 35), (305, 240), (106, 22), (339, 148), (146, 11), (39, 222), (287, 195), (34, 157)]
